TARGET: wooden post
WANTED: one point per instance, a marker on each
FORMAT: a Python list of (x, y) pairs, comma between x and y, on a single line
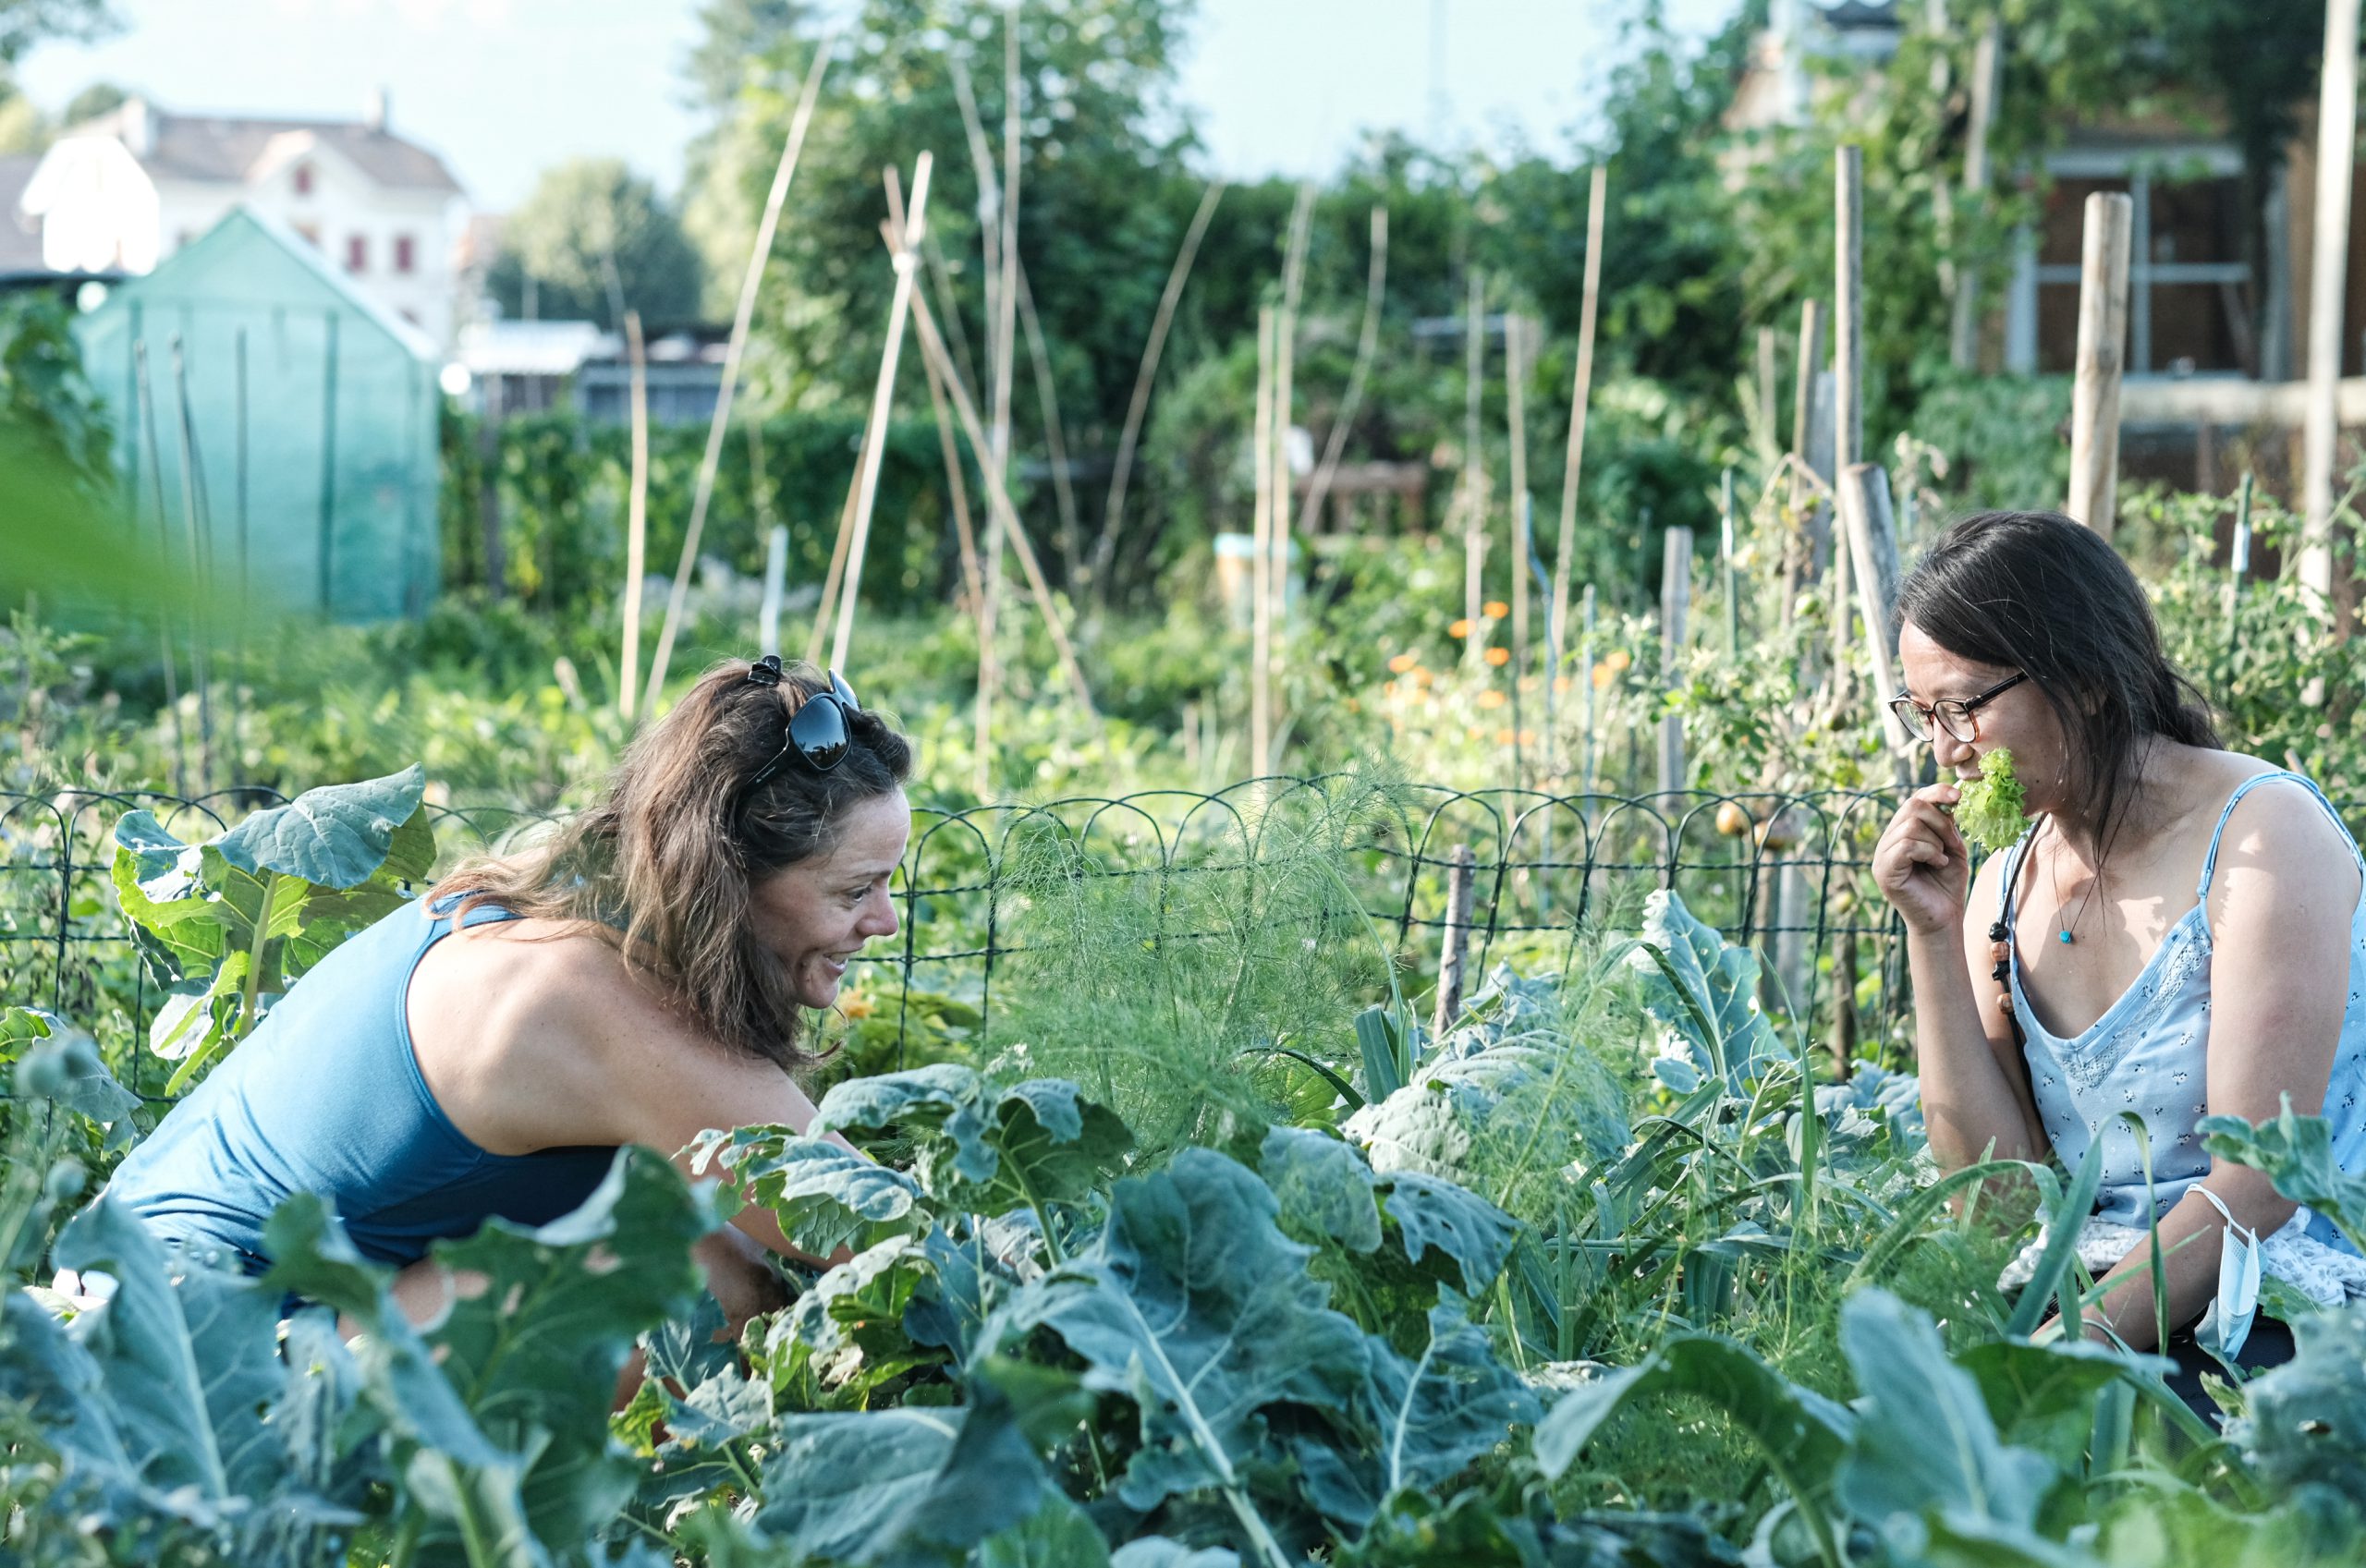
[(1872, 539), (1454, 955), (1725, 560), (776, 580), (2238, 563), (1261, 563), (1770, 414), (1474, 469), (1516, 417), (757, 255), (1675, 601), (1585, 680), (2328, 282), (637, 524), (1847, 372), (1799, 546), (1581, 393), (883, 400), (956, 489), (2103, 340), (1366, 346), (1987, 56)]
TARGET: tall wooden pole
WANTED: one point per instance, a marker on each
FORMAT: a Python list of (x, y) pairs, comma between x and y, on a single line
[(1474, 467), (2328, 282), (757, 254), (1987, 56), (1581, 393), (1798, 549), (1516, 417), (1675, 601), (1847, 372), (882, 399), (2103, 340), (637, 521), (1366, 346), (1260, 563)]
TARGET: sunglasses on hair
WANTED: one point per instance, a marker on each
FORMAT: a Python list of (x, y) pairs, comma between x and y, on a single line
[(820, 731)]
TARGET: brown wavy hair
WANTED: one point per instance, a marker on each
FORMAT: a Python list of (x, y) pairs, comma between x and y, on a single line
[(662, 864)]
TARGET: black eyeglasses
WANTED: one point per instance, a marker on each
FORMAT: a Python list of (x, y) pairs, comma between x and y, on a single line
[(820, 731), (1953, 715)]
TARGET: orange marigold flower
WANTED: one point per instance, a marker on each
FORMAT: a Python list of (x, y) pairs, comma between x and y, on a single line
[(1528, 683), (1562, 682), (1403, 663), (1499, 656), (1492, 700), (1603, 676), (1528, 738), (1460, 628), (1496, 609), (1503, 737), (856, 1004), (1618, 659)]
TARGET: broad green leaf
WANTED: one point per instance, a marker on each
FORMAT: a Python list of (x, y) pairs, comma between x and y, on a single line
[(825, 1197), (844, 1339), (1799, 1429), (1193, 1305), (1925, 1444), (903, 1487), (63, 1067), (1460, 1224), (2306, 1421), (1431, 1416), (535, 1354), (151, 854), (2043, 1396), (1704, 990), (189, 1366), (1324, 1187), (985, 1150), (2296, 1154), (334, 836), (1056, 1536)]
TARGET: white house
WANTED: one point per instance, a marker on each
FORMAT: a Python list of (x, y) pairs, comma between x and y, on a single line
[(122, 192)]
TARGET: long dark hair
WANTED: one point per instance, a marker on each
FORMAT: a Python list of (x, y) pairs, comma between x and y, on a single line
[(667, 854), (2037, 593)]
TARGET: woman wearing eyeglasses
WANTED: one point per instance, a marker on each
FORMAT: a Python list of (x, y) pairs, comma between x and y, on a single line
[(2181, 933), (637, 978)]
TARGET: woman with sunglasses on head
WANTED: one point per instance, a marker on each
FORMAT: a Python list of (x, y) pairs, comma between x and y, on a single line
[(2180, 933), (636, 978)]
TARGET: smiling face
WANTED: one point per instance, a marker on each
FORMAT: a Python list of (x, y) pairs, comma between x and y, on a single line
[(817, 913), (2020, 720)]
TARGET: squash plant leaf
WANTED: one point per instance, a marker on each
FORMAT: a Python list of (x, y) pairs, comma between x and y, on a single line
[(908, 1488), (984, 1151), (338, 835), (1925, 1444), (1193, 1305), (2296, 1154), (1704, 989), (825, 1197)]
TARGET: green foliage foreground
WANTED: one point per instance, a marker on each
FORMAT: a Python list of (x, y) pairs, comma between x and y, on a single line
[(1598, 1276)]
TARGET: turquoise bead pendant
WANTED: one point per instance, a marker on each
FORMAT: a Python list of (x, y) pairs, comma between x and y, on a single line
[(2065, 938)]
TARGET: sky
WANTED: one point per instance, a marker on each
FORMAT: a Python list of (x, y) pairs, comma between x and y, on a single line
[(503, 89)]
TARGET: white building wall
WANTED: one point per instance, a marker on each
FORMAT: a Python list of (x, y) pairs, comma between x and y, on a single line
[(99, 208)]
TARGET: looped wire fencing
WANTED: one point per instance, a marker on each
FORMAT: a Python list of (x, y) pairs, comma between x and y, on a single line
[(1785, 875)]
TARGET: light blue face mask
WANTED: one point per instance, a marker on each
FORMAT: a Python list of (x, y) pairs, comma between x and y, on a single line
[(2227, 1324)]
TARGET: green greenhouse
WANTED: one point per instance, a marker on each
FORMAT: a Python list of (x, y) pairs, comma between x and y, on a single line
[(306, 410)]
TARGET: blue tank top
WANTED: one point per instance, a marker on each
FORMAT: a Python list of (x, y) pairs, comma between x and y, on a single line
[(326, 1097), (2149, 1054)]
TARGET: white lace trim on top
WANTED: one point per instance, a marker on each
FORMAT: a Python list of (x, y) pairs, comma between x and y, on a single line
[(2326, 1275)]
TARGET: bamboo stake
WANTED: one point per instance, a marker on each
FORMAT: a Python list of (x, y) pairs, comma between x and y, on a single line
[(1006, 344), (1848, 376), (1676, 602), (1453, 957), (155, 451), (883, 400), (1277, 578), (1047, 403), (200, 569), (1260, 563), (636, 521), (998, 495), (1770, 444), (949, 303), (678, 599), (2238, 563), (1366, 346), (1725, 559), (1798, 550), (958, 488), (1963, 331), (1474, 469), (1585, 678), (1581, 393), (775, 582), (2102, 339), (1516, 417), (1865, 513), (1105, 548), (825, 608), (981, 162), (2328, 283)]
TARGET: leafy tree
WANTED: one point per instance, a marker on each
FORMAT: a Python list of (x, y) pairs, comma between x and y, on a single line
[(24, 23), (592, 225), (90, 102)]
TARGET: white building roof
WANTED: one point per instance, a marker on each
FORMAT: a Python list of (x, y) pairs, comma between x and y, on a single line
[(532, 349)]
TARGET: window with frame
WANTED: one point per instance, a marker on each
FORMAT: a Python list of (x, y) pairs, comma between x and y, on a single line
[(406, 254), (2190, 294), (357, 253), (302, 179)]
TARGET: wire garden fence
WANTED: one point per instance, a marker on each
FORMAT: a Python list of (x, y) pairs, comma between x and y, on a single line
[(1787, 875)]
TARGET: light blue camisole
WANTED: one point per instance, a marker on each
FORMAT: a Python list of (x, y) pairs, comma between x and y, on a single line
[(2147, 1054)]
